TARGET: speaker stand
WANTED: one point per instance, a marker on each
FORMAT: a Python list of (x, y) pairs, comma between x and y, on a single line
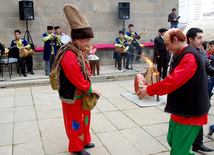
[(124, 26), (27, 33)]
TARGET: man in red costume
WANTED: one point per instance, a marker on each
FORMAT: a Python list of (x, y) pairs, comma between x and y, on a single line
[(74, 78), (186, 87)]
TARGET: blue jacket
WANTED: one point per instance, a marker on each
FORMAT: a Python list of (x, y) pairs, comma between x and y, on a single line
[(121, 42), (128, 34), (48, 47), (24, 42)]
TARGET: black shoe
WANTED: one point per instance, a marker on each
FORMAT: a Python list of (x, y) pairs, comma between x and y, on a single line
[(90, 145), (119, 68), (201, 148), (127, 68), (83, 152), (25, 75), (32, 73)]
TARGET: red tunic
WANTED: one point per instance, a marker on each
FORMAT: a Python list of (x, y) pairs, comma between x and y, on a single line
[(77, 121), (181, 74)]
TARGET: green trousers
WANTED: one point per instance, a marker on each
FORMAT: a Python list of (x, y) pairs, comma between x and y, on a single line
[(181, 137)]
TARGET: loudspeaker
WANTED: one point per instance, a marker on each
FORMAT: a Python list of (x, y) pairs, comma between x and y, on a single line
[(26, 10), (123, 10)]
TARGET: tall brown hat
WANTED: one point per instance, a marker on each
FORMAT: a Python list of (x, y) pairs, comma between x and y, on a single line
[(80, 28)]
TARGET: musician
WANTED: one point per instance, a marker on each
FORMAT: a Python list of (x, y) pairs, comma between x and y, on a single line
[(122, 42), (172, 18), (21, 44), (131, 36), (187, 99), (58, 37), (50, 50), (161, 54)]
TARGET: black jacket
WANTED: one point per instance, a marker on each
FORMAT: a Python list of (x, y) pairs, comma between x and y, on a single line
[(160, 49), (209, 68), (171, 18), (191, 99)]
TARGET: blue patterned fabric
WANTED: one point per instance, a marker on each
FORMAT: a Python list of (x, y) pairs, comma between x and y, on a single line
[(75, 125)]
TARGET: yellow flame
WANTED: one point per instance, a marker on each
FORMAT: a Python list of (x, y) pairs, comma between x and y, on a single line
[(148, 61), (155, 73)]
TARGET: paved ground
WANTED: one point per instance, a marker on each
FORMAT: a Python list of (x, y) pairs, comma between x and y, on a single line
[(31, 120)]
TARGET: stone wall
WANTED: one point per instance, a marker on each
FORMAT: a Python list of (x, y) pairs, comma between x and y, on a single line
[(149, 15)]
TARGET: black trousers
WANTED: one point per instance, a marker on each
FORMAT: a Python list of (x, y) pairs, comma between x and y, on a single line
[(29, 60), (119, 58), (199, 139), (139, 49), (162, 64)]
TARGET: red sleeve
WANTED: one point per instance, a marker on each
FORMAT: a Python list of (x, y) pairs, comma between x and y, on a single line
[(73, 71), (208, 53), (181, 74)]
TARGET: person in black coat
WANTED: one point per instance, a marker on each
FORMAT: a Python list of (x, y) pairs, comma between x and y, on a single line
[(161, 54)]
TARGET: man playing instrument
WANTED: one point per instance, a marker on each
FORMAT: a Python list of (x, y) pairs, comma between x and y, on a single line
[(122, 43), (50, 51), (131, 36), (58, 37), (22, 44), (186, 87)]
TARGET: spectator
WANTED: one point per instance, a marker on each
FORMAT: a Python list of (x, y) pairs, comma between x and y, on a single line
[(195, 39), (172, 18), (161, 54)]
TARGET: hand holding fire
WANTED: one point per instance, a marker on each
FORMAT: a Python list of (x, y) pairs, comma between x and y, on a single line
[(142, 92)]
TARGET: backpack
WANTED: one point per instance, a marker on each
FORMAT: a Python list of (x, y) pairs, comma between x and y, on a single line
[(54, 75)]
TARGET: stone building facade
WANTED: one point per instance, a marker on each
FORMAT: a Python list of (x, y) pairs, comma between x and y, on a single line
[(149, 15)]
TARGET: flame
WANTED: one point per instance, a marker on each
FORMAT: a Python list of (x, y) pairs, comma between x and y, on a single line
[(155, 73), (148, 61)]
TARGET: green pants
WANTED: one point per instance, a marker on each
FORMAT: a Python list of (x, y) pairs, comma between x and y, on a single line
[(181, 137)]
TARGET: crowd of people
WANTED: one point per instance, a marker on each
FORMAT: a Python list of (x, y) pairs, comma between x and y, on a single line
[(189, 84)]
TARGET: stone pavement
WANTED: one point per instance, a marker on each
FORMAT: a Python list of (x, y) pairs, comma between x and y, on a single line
[(31, 120), (107, 73)]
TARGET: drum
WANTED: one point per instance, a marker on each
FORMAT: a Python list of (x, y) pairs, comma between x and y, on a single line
[(31, 51), (65, 39), (120, 50), (24, 52), (139, 82)]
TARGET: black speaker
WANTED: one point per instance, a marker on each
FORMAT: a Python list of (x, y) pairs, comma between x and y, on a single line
[(123, 10), (26, 10)]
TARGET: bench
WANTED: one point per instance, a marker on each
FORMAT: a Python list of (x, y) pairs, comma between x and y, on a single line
[(101, 46)]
